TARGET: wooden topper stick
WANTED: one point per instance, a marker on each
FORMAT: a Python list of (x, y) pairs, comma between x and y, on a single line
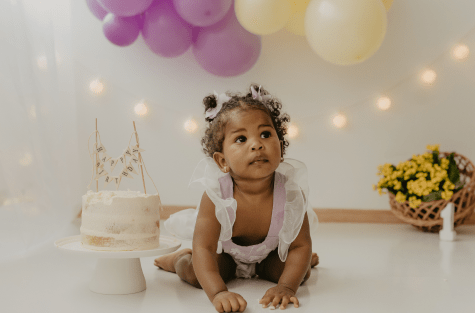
[(96, 155), (140, 158)]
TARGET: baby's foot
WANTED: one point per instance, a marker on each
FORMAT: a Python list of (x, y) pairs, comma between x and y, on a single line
[(167, 262), (314, 261)]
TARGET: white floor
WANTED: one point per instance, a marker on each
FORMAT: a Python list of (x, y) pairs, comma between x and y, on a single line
[(363, 268)]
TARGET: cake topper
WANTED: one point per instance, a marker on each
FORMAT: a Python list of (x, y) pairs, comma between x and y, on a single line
[(130, 156)]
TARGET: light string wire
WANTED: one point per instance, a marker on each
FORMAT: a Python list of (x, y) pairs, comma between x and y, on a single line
[(130, 94), (310, 119)]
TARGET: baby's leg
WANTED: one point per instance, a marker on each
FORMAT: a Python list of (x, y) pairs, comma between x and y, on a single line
[(180, 262), (271, 268)]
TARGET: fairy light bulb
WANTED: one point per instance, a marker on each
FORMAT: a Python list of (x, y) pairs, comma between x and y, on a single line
[(32, 112), (141, 109), (26, 160), (191, 125), (384, 103), (428, 77), (293, 131), (460, 52), (339, 120), (42, 62), (96, 86)]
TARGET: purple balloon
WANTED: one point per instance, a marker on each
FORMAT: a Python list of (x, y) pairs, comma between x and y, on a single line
[(164, 31), (125, 7), (96, 9), (202, 12), (226, 48), (121, 30)]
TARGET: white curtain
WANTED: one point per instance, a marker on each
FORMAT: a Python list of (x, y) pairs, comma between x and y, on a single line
[(38, 127)]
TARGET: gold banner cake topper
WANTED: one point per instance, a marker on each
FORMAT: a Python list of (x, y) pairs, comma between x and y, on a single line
[(100, 159)]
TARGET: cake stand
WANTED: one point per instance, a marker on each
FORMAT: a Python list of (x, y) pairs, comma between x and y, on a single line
[(117, 272)]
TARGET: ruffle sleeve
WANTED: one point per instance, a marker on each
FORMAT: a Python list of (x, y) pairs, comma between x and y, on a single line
[(207, 175), (297, 191)]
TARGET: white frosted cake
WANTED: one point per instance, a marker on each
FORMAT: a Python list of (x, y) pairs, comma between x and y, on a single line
[(120, 220)]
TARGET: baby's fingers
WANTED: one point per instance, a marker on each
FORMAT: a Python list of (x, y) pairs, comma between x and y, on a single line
[(223, 306), (242, 303), (275, 302), (265, 301), (295, 301), (285, 301)]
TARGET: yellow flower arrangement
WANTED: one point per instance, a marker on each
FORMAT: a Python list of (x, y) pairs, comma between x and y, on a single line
[(425, 177)]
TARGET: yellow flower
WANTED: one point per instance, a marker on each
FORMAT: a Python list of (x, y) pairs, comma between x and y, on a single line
[(433, 147), (448, 185), (446, 195), (400, 197), (397, 185), (415, 203)]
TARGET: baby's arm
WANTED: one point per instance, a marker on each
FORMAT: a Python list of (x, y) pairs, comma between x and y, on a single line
[(296, 266), (205, 265), (298, 258)]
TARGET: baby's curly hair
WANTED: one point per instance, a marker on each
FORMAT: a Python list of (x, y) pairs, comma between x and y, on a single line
[(213, 139)]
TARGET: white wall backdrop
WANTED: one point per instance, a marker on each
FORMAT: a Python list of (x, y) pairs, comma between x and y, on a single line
[(342, 163)]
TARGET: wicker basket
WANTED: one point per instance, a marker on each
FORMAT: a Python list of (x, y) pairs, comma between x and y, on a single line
[(426, 216)]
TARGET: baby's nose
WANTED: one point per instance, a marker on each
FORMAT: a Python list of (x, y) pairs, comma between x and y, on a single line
[(257, 146)]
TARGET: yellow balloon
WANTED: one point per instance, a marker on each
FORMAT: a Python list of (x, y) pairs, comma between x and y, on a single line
[(345, 31), (387, 4), (262, 17), (296, 23)]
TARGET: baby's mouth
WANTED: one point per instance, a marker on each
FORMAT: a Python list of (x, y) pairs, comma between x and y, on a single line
[(259, 161)]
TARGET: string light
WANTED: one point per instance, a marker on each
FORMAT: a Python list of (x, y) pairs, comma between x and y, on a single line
[(32, 112), (42, 62), (428, 77), (141, 109), (191, 125), (384, 103), (96, 86), (339, 120), (293, 131), (26, 160), (460, 52)]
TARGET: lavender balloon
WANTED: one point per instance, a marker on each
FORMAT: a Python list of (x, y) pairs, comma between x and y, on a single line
[(226, 48), (121, 31), (202, 12), (125, 7), (96, 9), (164, 31)]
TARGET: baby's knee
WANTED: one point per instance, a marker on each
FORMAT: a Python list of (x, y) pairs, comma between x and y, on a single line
[(184, 269), (307, 276)]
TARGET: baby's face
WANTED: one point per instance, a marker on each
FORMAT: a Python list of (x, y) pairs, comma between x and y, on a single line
[(251, 146)]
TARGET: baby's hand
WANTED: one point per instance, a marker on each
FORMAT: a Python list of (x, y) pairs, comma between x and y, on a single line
[(226, 301), (279, 294)]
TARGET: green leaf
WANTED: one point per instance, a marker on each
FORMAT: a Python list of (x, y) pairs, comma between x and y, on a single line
[(453, 170), (435, 156), (436, 195)]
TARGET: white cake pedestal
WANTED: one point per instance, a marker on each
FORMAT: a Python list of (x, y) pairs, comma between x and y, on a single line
[(117, 272)]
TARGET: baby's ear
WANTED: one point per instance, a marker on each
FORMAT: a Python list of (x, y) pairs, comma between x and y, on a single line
[(220, 161)]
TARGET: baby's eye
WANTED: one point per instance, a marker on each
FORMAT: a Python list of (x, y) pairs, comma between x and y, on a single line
[(240, 139), (265, 134)]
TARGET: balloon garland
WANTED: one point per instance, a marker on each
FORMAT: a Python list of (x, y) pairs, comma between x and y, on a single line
[(226, 38)]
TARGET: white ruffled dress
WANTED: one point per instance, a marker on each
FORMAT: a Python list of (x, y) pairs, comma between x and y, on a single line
[(208, 175)]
